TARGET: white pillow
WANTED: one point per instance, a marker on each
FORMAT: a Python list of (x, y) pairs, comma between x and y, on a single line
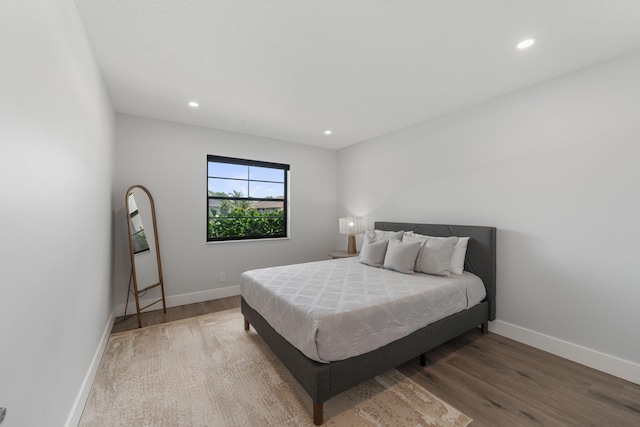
[(379, 235), (459, 254), (459, 251), (373, 253), (401, 256), (411, 237), (435, 256)]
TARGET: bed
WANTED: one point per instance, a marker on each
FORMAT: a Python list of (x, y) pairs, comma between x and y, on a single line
[(323, 380)]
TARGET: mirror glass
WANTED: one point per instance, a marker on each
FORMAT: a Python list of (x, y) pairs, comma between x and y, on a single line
[(138, 235), (143, 240)]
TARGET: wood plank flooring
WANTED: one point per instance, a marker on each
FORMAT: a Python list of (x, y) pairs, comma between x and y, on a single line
[(492, 379), (501, 382), (176, 313)]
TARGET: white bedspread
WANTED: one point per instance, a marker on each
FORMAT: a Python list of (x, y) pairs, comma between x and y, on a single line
[(333, 310)]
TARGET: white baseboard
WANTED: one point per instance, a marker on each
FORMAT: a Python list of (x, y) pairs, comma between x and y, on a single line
[(183, 299), (81, 399), (612, 365)]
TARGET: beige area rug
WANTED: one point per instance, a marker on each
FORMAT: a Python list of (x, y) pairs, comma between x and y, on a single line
[(208, 371)]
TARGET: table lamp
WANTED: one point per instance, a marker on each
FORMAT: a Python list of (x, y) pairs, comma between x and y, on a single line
[(351, 226)]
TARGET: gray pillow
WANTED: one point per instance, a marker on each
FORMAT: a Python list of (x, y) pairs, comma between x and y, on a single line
[(379, 235), (401, 256), (373, 253), (435, 256), (459, 250)]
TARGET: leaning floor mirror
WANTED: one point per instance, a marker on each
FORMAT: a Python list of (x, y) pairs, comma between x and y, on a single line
[(144, 248)]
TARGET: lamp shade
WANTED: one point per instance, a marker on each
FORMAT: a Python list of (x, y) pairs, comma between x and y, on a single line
[(352, 225)]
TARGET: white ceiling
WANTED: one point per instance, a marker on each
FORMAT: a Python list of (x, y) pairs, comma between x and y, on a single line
[(289, 69)]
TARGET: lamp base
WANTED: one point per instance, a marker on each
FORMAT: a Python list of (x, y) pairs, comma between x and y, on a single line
[(351, 246)]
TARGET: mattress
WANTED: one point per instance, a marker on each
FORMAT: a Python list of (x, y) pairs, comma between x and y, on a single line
[(336, 309)]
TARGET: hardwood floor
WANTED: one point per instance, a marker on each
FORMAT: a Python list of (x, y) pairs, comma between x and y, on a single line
[(501, 382), (494, 380), (176, 313)]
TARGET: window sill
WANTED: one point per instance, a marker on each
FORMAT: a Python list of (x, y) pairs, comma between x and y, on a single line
[(217, 242)]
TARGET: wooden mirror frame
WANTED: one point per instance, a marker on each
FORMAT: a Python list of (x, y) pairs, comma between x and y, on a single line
[(133, 277)]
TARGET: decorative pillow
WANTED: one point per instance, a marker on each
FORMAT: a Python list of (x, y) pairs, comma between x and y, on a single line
[(379, 235), (401, 256), (411, 237), (435, 256), (373, 253), (459, 251), (459, 254)]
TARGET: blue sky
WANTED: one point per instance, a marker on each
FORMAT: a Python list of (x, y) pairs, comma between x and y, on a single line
[(230, 177)]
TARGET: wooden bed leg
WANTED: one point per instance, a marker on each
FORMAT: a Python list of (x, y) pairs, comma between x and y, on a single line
[(485, 327), (423, 359), (317, 413), (246, 325)]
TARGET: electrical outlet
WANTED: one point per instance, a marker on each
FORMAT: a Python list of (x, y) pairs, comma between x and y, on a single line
[(222, 276)]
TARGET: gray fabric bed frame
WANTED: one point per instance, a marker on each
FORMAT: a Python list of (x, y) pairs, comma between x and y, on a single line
[(325, 380)]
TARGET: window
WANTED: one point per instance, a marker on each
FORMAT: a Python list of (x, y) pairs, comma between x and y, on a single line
[(246, 199)]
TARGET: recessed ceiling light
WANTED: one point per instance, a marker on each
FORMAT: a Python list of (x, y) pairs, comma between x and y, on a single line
[(193, 104), (526, 43), (328, 132)]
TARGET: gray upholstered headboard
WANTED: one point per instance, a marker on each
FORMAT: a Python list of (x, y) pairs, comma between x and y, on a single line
[(481, 250)]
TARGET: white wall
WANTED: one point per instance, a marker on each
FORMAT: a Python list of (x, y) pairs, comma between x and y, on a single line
[(555, 168), (169, 159), (56, 164)]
